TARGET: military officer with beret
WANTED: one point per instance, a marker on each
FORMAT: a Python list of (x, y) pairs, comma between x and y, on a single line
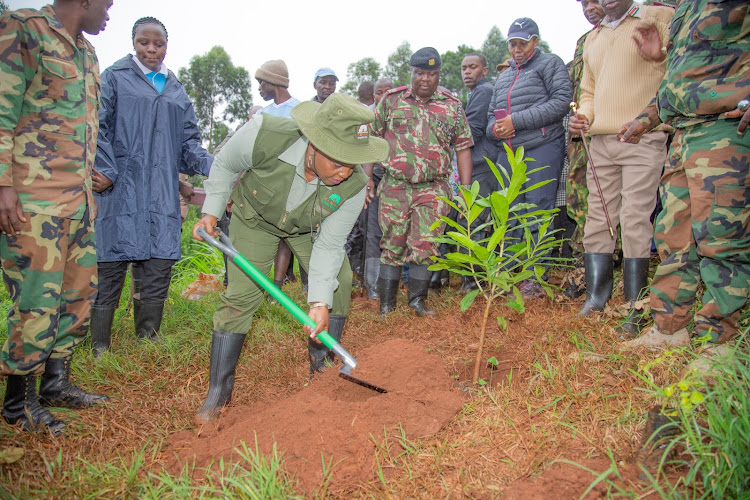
[(423, 126), (301, 183)]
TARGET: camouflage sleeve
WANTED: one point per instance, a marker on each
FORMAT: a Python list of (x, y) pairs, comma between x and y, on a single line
[(105, 162), (195, 159), (378, 126), (462, 139), (18, 66), (649, 117)]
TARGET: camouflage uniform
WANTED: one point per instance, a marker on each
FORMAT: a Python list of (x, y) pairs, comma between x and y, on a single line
[(702, 231), (576, 190), (421, 137), (48, 127)]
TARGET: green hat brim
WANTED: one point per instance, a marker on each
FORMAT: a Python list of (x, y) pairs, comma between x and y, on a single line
[(375, 150)]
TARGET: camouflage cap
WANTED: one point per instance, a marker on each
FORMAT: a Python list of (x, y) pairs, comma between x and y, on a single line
[(426, 58), (339, 129)]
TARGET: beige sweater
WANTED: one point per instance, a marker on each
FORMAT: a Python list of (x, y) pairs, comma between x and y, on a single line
[(617, 82)]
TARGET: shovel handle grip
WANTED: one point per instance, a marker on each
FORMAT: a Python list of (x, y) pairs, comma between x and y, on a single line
[(248, 268)]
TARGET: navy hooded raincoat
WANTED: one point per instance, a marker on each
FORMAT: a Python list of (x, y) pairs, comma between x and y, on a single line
[(145, 140)]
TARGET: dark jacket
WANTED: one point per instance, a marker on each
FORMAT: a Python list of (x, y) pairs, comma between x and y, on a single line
[(145, 140), (537, 95), (476, 115)]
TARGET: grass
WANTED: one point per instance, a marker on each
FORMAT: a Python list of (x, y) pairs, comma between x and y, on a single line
[(519, 434)]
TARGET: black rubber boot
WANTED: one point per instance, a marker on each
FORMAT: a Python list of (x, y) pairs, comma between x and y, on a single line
[(56, 389), (147, 317), (468, 284), (635, 281), (599, 278), (419, 283), (21, 406), (279, 284), (372, 272), (101, 328), (320, 356), (388, 283), (225, 351), (436, 284)]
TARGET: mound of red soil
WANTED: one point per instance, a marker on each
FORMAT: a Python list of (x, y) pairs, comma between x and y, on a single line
[(332, 417)]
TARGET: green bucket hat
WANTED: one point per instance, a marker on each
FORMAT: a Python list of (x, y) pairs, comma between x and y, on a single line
[(338, 128)]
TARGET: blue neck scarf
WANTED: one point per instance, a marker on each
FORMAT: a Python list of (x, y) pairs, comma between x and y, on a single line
[(159, 80)]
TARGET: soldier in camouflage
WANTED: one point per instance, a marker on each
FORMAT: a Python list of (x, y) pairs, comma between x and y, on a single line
[(702, 231), (423, 125), (48, 128)]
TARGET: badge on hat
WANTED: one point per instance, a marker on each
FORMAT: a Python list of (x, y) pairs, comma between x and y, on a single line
[(363, 132)]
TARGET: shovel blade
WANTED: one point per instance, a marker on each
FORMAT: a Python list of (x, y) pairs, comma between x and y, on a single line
[(346, 375)]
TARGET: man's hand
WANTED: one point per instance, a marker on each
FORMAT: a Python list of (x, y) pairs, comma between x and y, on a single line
[(11, 211), (578, 124), (504, 128), (186, 190), (99, 182), (648, 42), (320, 316), (631, 132), (743, 114), (207, 222), (370, 192)]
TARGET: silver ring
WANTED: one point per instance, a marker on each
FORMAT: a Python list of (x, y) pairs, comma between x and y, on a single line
[(743, 104)]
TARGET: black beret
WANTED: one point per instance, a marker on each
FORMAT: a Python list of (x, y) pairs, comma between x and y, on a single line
[(426, 58)]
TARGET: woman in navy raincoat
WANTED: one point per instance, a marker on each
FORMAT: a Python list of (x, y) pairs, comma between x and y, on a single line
[(148, 135)]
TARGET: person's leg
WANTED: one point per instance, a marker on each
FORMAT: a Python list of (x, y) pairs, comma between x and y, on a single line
[(372, 247), (111, 280), (234, 317), (577, 192), (155, 276), (395, 220), (281, 264)]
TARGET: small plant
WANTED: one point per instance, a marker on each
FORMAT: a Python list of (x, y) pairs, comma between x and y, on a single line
[(499, 263)]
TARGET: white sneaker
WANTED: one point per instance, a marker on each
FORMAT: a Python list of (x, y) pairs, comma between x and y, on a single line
[(654, 340)]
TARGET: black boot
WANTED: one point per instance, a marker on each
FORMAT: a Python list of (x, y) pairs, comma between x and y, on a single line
[(147, 318), (635, 281), (419, 282), (372, 272), (56, 389), (101, 328), (320, 356), (599, 278), (279, 284), (436, 284), (21, 406), (468, 284), (388, 283), (225, 351)]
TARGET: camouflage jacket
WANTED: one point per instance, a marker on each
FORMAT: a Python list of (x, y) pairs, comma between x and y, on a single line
[(420, 134), (49, 101), (575, 70), (708, 63)]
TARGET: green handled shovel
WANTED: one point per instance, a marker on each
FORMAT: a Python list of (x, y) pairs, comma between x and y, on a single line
[(248, 268)]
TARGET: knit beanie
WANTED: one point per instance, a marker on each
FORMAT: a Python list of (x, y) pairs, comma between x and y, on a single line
[(274, 72)]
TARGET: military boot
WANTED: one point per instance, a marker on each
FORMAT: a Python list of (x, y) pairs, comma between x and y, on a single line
[(21, 406), (320, 356), (388, 283), (56, 389), (599, 281), (372, 272), (225, 352), (101, 328), (419, 282), (635, 281), (147, 317)]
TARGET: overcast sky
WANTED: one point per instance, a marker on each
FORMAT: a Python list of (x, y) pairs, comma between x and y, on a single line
[(308, 34)]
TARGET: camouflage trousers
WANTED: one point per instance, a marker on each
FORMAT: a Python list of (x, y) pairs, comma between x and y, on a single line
[(50, 273), (243, 296), (577, 193), (702, 231), (407, 211)]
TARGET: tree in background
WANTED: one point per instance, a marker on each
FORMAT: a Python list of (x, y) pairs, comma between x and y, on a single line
[(367, 69), (450, 74), (495, 49), (217, 86), (3, 7), (398, 68)]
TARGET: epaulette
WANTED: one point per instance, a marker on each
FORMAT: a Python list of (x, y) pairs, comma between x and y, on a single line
[(397, 89), (447, 94), (24, 14)]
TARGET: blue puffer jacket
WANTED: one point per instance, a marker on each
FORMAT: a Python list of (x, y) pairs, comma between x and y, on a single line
[(145, 140), (537, 96)]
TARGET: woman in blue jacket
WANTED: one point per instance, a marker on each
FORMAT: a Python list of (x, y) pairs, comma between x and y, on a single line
[(148, 135), (534, 95)]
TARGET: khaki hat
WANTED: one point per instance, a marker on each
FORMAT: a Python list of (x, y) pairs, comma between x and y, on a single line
[(504, 64), (274, 72), (339, 129)]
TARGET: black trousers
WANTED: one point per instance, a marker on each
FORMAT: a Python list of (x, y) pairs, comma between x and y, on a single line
[(151, 280)]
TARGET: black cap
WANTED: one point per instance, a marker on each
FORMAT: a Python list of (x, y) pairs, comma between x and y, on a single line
[(426, 58), (524, 28)]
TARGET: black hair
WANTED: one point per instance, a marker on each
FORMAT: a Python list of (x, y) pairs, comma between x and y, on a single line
[(482, 59), (149, 20)]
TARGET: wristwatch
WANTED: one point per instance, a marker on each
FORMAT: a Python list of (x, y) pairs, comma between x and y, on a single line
[(313, 305)]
